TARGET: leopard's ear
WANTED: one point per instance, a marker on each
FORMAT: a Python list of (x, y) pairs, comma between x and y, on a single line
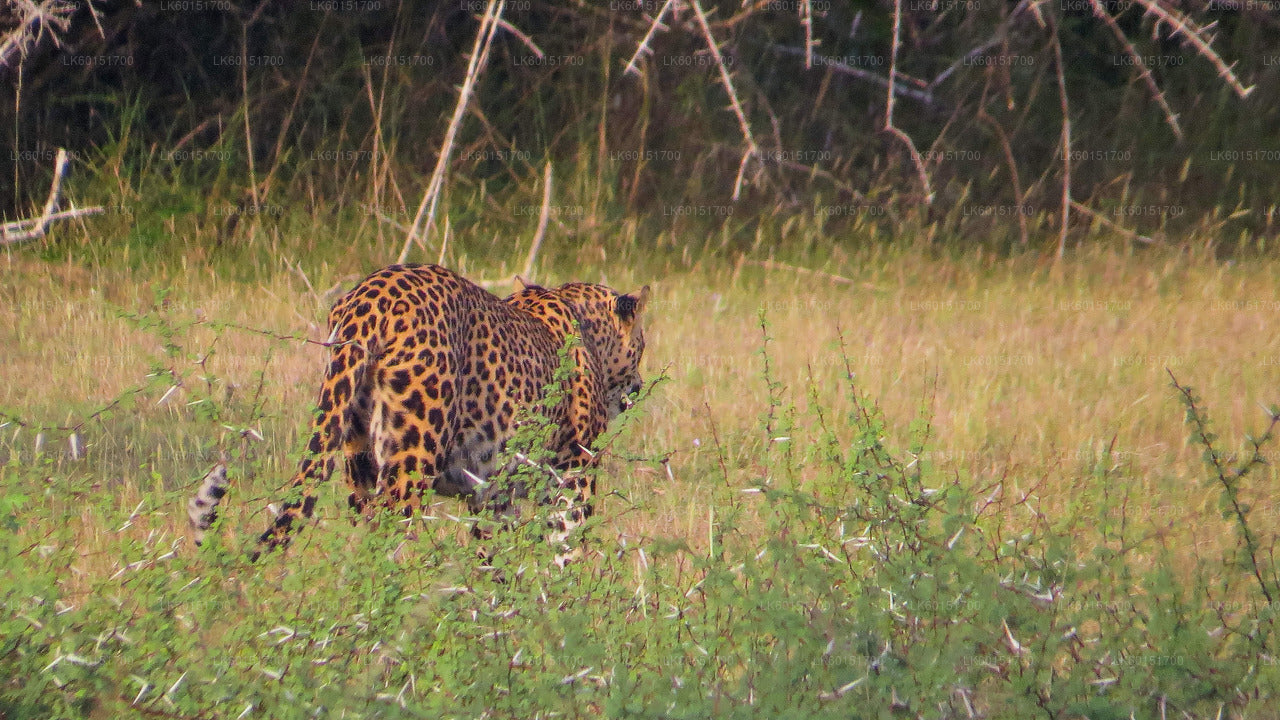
[(630, 306)]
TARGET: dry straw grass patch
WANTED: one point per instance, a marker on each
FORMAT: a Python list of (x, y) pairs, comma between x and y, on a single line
[(1032, 377)]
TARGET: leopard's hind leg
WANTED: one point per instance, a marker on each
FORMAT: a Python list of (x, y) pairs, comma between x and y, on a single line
[(411, 427), (338, 426)]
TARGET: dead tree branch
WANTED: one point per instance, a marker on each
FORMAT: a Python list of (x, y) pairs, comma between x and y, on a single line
[(543, 217), (1182, 25), (1170, 117), (1065, 140), (643, 47), (753, 150), (32, 228), (36, 20), (888, 111), (924, 96), (479, 57)]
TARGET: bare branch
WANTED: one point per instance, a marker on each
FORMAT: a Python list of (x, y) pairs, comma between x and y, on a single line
[(1143, 72), (444, 241), (1065, 139), (838, 279), (924, 96), (999, 37), (528, 42), (1183, 26), (648, 36), (1009, 161), (960, 61), (32, 228), (888, 111), (36, 20), (752, 149), (392, 222), (806, 18), (479, 56), (542, 224), (1111, 224)]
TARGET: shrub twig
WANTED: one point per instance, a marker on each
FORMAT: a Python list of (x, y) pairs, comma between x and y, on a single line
[(1228, 477), (775, 265), (806, 18), (924, 96), (1111, 224), (248, 126), (1009, 161)]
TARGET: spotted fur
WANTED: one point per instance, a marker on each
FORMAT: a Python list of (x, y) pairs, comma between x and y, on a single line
[(428, 376)]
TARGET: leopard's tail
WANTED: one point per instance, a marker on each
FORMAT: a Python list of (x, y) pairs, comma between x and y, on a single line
[(202, 508)]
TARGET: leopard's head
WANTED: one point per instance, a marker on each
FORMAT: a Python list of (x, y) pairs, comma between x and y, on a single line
[(611, 322)]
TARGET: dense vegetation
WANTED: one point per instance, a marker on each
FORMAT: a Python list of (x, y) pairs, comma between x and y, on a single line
[(893, 462), (842, 574)]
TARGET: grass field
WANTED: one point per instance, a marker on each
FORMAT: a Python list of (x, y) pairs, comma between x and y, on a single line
[(950, 485)]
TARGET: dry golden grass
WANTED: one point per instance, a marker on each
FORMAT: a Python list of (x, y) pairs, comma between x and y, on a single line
[(1039, 372)]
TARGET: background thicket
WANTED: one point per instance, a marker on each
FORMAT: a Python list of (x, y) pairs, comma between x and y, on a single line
[(342, 103)]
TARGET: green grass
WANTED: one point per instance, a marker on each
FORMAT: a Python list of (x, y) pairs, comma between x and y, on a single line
[(961, 484)]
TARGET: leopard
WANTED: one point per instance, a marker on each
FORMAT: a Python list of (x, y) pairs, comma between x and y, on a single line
[(428, 377)]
